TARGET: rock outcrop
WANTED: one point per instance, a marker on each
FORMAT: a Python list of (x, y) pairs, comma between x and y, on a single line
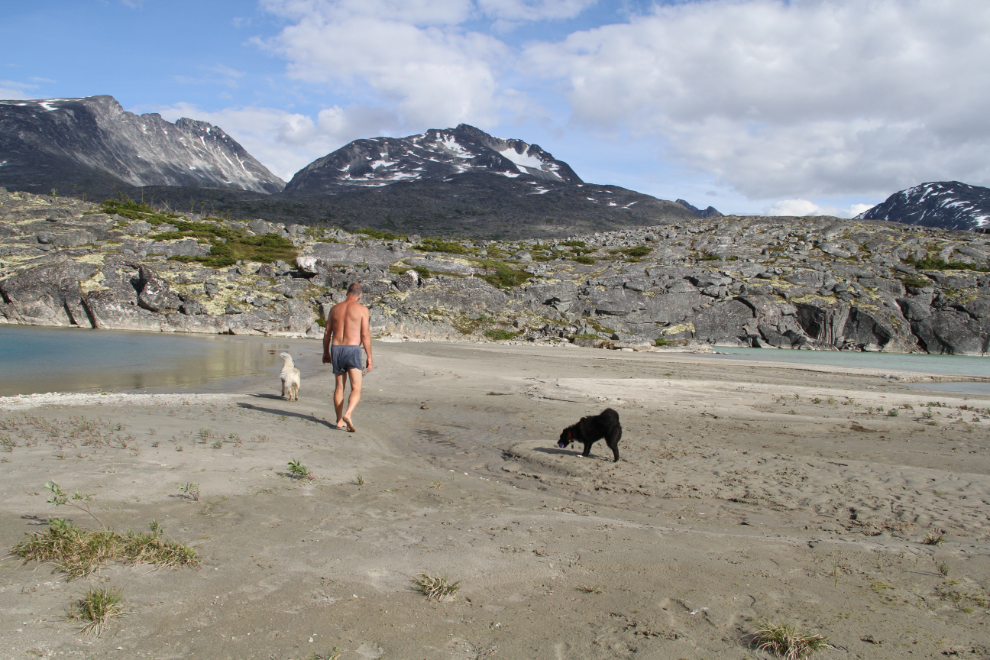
[(798, 283)]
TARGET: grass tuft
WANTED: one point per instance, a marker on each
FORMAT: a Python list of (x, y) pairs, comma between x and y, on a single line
[(80, 552), (934, 537), (786, 641), (298, 470), (435, 587), (590, 589), (98, 606)]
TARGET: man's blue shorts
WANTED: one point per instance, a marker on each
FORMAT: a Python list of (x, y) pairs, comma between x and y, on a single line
[(346, 357)]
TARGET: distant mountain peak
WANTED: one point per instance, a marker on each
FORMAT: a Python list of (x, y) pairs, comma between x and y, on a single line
[(437, 154), (710, 212), (93, 144), (943, 204)]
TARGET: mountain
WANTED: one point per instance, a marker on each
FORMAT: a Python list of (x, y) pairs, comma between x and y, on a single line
[(710, 212), (943, 204), (93, 145), (436, 155)]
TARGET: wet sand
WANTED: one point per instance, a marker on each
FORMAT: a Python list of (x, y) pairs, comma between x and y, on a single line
[(746, 491)]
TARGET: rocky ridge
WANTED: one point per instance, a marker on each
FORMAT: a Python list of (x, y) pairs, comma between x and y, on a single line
[(93, 145), (810, 283), (437, 154), (943, 204)]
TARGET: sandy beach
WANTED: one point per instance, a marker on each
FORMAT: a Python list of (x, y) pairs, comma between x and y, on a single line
[(747, 491)]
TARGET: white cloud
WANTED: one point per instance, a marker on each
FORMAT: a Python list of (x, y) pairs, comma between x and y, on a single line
[(405, 53), (533, 10), (804, 98), (14, 91), (803, 207)]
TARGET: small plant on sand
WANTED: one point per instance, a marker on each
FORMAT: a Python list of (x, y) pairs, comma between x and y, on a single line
[(190, 490), (943, 568), (298, 471), (205, 434), (436, 485), (78, 500), (359, 480), (934, 537), (233, 437), (786, 641), (892, 412), (435, 587), (97, 606), (816, 400), (218, 444), (590, 589)]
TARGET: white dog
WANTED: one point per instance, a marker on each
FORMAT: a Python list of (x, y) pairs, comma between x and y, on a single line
[(290, 378)]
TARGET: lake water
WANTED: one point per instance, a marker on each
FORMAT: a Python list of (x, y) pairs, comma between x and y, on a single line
[(36, 359), (932, 364)]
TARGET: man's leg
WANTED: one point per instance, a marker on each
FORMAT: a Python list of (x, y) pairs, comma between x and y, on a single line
[(355, 396), (338, 398)]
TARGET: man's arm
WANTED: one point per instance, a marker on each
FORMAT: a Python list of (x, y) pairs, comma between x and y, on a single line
[(366, 337), (327, 337)]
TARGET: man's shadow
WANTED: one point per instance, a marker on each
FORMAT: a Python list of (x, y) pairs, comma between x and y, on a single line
[(285, 413)]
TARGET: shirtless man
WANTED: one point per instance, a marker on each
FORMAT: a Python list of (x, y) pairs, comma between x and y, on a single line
[(347, 330)]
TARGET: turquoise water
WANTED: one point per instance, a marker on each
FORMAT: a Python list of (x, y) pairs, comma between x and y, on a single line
[(34, 359), (932, 364)]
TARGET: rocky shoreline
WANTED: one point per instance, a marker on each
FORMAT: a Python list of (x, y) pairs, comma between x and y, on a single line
[(806, 283)]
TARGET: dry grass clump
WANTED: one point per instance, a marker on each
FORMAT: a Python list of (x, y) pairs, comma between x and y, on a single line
[(97, 606), (590, 589), (934, 537), (80, 552), (435, 587), (786, 641)]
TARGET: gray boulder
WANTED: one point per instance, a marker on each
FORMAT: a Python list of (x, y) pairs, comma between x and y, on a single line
[(729, 322), (48, 294), (156, 295)]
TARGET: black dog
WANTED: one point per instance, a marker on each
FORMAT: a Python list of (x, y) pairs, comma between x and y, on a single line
[(591, 429)]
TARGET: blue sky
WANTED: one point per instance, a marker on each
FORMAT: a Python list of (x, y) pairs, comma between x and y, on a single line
[(749, 105)]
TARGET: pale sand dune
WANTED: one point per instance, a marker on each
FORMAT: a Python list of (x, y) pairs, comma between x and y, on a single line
[(733, 502)]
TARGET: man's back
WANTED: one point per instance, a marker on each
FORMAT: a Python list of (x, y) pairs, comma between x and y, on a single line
[(346, 320)]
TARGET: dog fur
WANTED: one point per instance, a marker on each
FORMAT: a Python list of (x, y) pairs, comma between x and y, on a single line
[(593, 428), (290, 378)]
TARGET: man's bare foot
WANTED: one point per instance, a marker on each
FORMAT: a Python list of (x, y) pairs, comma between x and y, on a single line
[(350, 427), (340, 425)]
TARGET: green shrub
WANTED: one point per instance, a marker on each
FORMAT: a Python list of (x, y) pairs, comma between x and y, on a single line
[(587, 261), (126, 207), (498, 334), (573, 243), (708, 257), (262, 249), (375, 233), (440, 245), (661, 341), (500, 275), (916, 282), (935, 263), (637, 252)]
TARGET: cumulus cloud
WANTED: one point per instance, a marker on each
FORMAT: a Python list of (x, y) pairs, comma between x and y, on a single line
[(533, 10), (285, 142), (14, 91), (406, 53), (800, 98), (803, 207)]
